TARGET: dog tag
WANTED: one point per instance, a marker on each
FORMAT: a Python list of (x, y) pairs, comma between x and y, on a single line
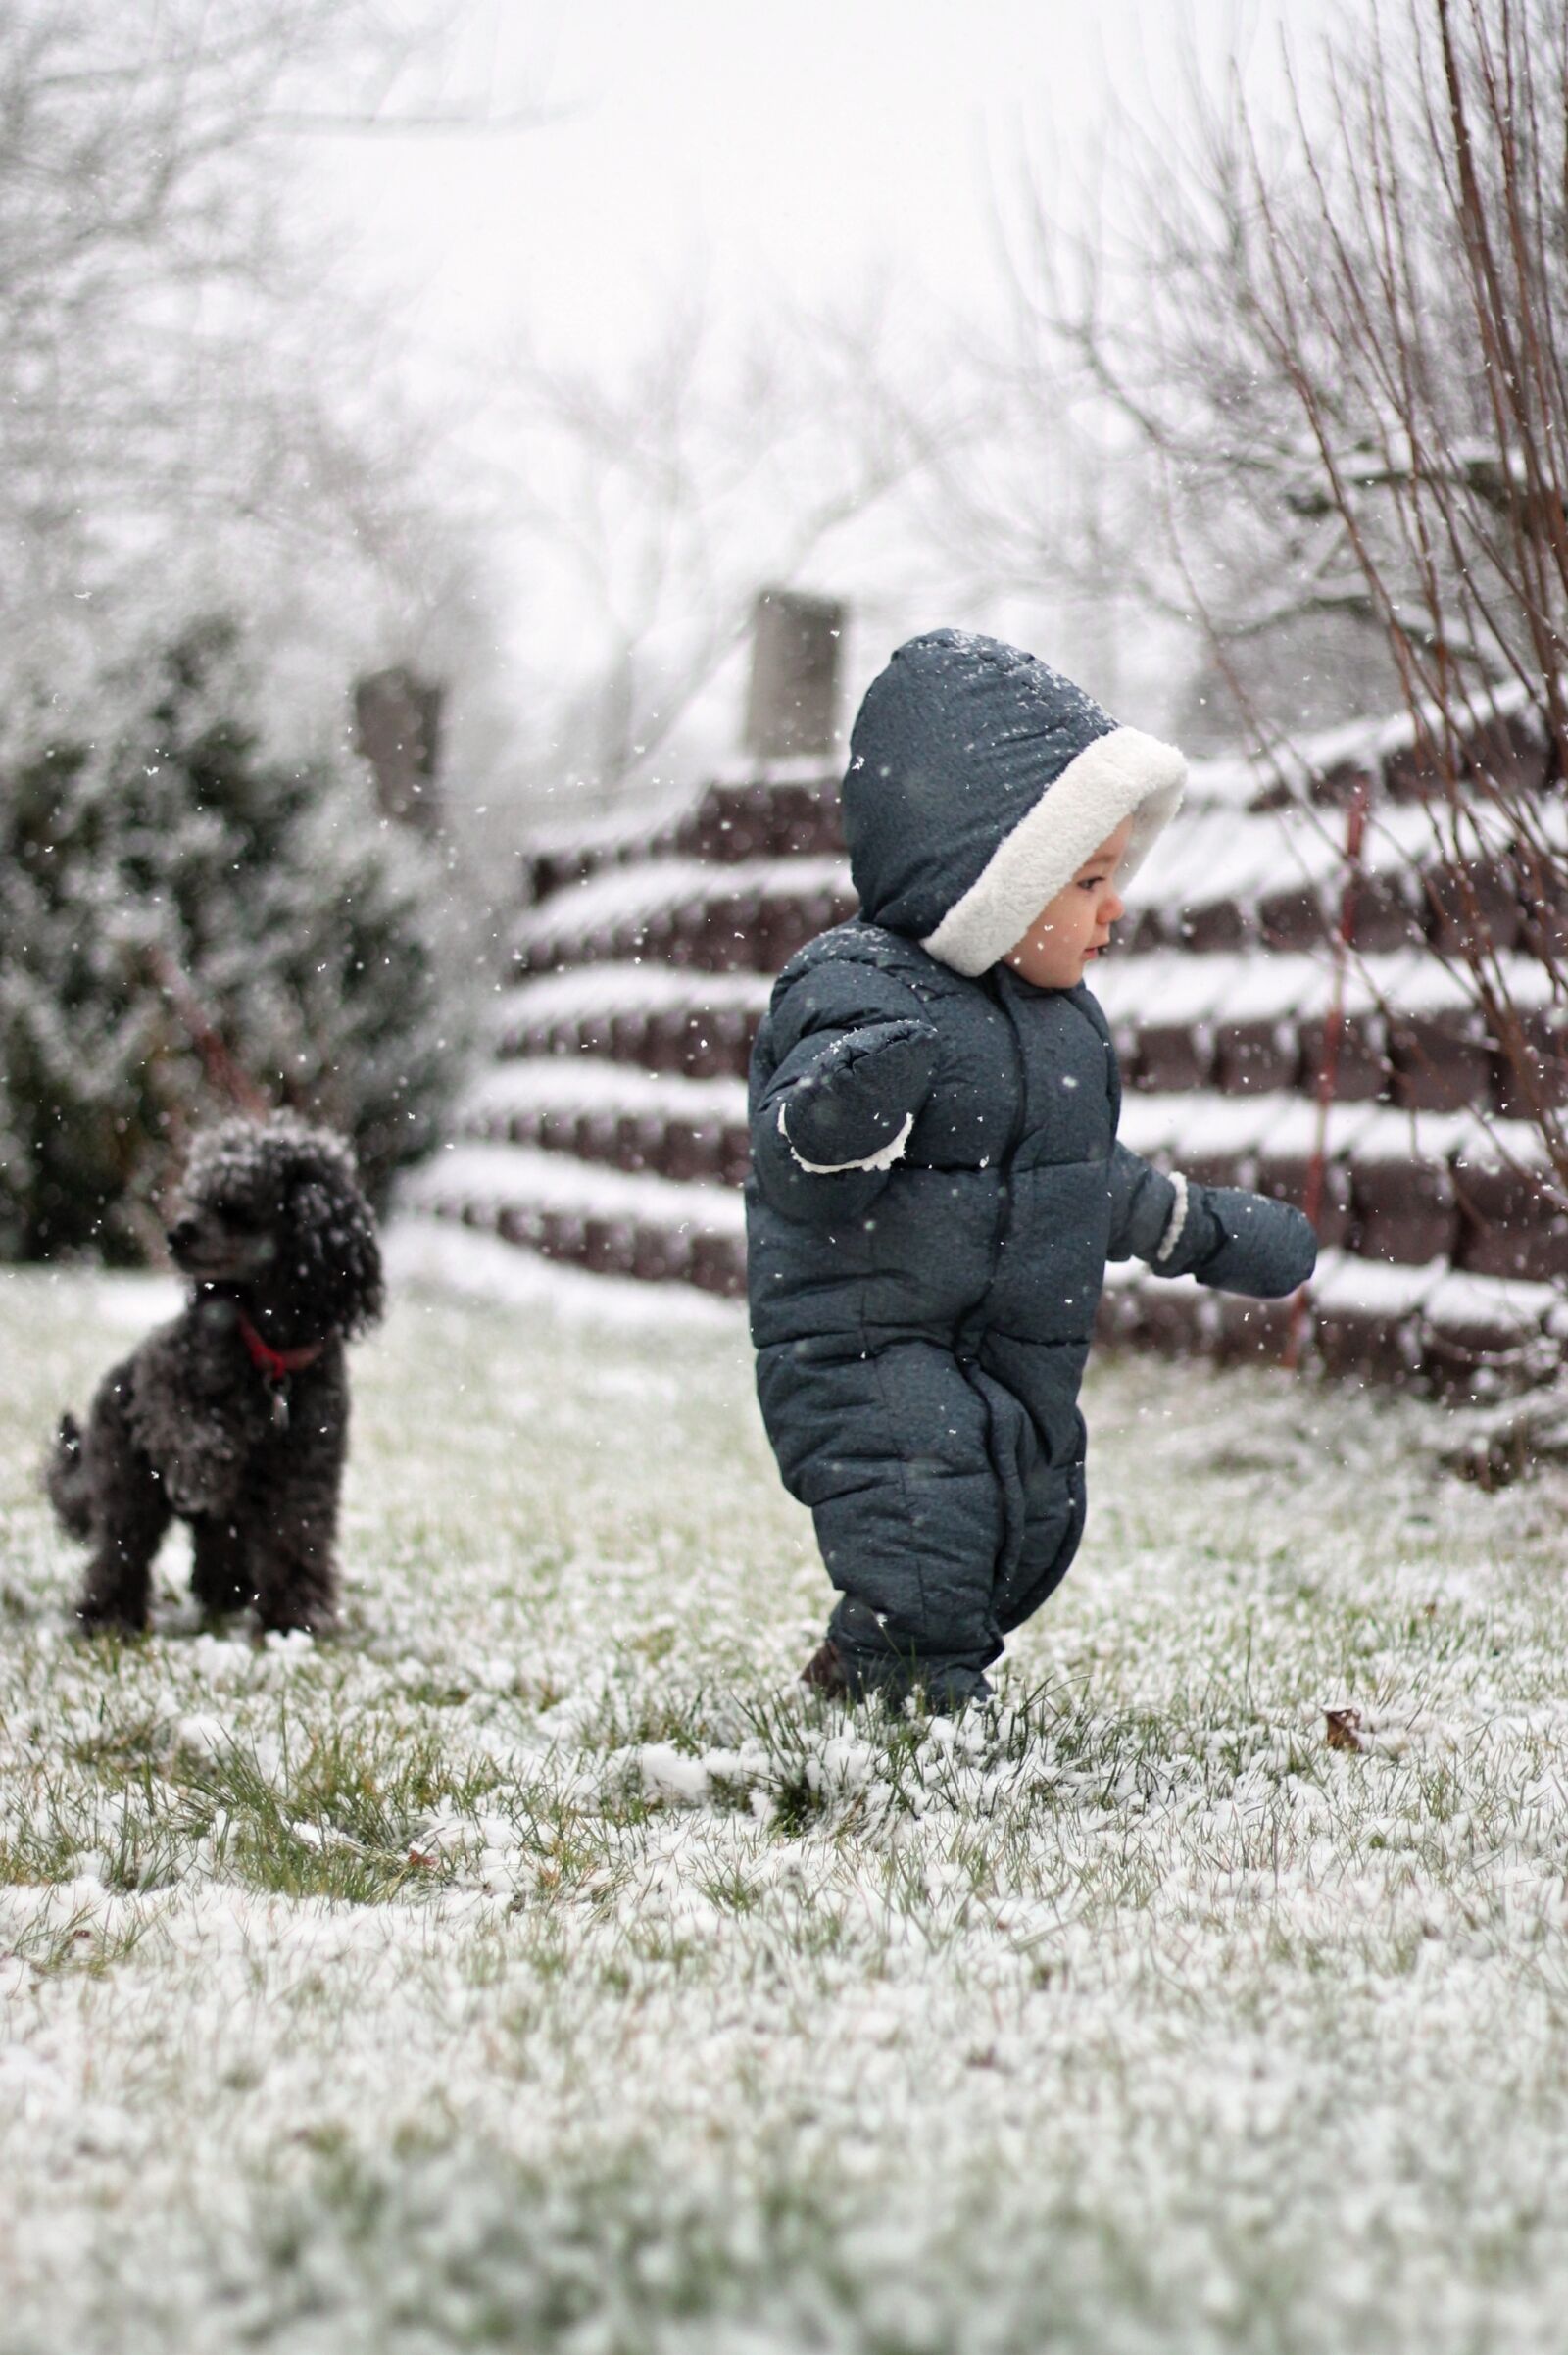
[(280, 1407)]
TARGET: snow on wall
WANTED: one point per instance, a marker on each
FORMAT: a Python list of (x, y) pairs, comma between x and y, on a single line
[(586, 1084), (624, 893), (509, 1177), (603, 988)]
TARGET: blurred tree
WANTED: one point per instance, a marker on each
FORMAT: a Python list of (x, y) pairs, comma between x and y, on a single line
[(198, 407), (199, 899), (187, 925)]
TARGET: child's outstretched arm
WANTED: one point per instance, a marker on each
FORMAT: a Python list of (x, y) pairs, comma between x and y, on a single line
[(1224, 1236), (855, 1059)]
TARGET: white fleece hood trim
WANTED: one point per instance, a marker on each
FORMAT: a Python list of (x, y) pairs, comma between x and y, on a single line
[(1125, 775)]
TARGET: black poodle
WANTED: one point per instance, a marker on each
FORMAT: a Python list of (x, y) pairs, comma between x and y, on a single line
[(235, 1416)]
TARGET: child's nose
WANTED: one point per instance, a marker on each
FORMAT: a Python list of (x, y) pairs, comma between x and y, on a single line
[(1112, 907)]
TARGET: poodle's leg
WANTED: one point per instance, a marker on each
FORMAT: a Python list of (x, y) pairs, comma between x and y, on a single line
[(296, 1579), (221, 1571), (129, 1515), (292, 1507)]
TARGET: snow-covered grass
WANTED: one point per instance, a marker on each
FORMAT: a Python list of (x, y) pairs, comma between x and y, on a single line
[(537, 1968)]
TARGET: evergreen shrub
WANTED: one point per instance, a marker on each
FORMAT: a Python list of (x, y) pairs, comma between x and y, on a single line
[(187, 923)]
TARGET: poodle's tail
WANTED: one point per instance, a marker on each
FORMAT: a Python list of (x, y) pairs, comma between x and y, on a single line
[(66, 1479)]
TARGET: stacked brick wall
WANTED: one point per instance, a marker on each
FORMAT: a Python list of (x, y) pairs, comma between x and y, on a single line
[(609, 1129)]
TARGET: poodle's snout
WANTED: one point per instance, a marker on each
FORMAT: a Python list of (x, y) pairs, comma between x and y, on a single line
[(182, 1234)]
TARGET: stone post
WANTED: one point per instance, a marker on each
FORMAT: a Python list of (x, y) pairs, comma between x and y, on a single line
[(397, 723), (792, 707)]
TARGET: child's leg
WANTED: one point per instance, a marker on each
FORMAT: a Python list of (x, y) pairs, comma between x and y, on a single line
[(890, 1451), (1051, 1535), (1037, 1443)]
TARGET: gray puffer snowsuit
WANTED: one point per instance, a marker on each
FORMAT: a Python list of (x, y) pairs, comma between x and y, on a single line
[(936, 1184)]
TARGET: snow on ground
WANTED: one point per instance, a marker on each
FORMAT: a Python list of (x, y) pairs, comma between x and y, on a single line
[(535, 1967)]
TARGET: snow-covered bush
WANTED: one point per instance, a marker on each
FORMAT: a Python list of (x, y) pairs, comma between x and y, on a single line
[(189, 920)]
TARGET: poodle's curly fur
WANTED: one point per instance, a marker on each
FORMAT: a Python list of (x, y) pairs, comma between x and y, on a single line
[(235, 1415)]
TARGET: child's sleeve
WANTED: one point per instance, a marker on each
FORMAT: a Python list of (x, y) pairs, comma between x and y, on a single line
[(856, 1061), (1224, 1236)]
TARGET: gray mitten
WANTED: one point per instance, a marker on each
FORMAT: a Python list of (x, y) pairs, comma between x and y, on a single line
[(854, 1103), (1265, 1247)]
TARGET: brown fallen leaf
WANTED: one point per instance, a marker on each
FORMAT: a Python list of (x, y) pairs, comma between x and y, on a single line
[(1345, 1730)]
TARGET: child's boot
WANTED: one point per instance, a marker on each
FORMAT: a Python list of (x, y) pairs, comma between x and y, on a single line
[(860, 1655)]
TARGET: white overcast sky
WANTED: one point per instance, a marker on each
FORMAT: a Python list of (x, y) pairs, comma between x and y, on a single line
[(808, 142), (809, 145)]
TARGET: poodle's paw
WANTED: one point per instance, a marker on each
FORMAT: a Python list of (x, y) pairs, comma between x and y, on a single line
[(215, 1609), (98, 1618), (219, 1596), (302, 1619)]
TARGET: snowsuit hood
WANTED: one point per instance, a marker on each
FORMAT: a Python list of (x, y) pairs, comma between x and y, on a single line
[(979, 782)]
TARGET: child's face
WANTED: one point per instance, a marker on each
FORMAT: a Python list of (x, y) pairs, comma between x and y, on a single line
[(1071, 930)]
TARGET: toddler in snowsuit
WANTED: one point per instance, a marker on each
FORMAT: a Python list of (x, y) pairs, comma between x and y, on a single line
[(936, 1183)]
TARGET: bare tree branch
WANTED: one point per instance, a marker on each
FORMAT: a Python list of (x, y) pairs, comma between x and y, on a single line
[(1319, 384)]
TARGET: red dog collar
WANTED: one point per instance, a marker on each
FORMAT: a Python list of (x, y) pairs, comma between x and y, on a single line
[(275, 1364)]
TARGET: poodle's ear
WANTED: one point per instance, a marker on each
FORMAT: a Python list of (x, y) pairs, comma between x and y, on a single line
[(334, 1252)]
